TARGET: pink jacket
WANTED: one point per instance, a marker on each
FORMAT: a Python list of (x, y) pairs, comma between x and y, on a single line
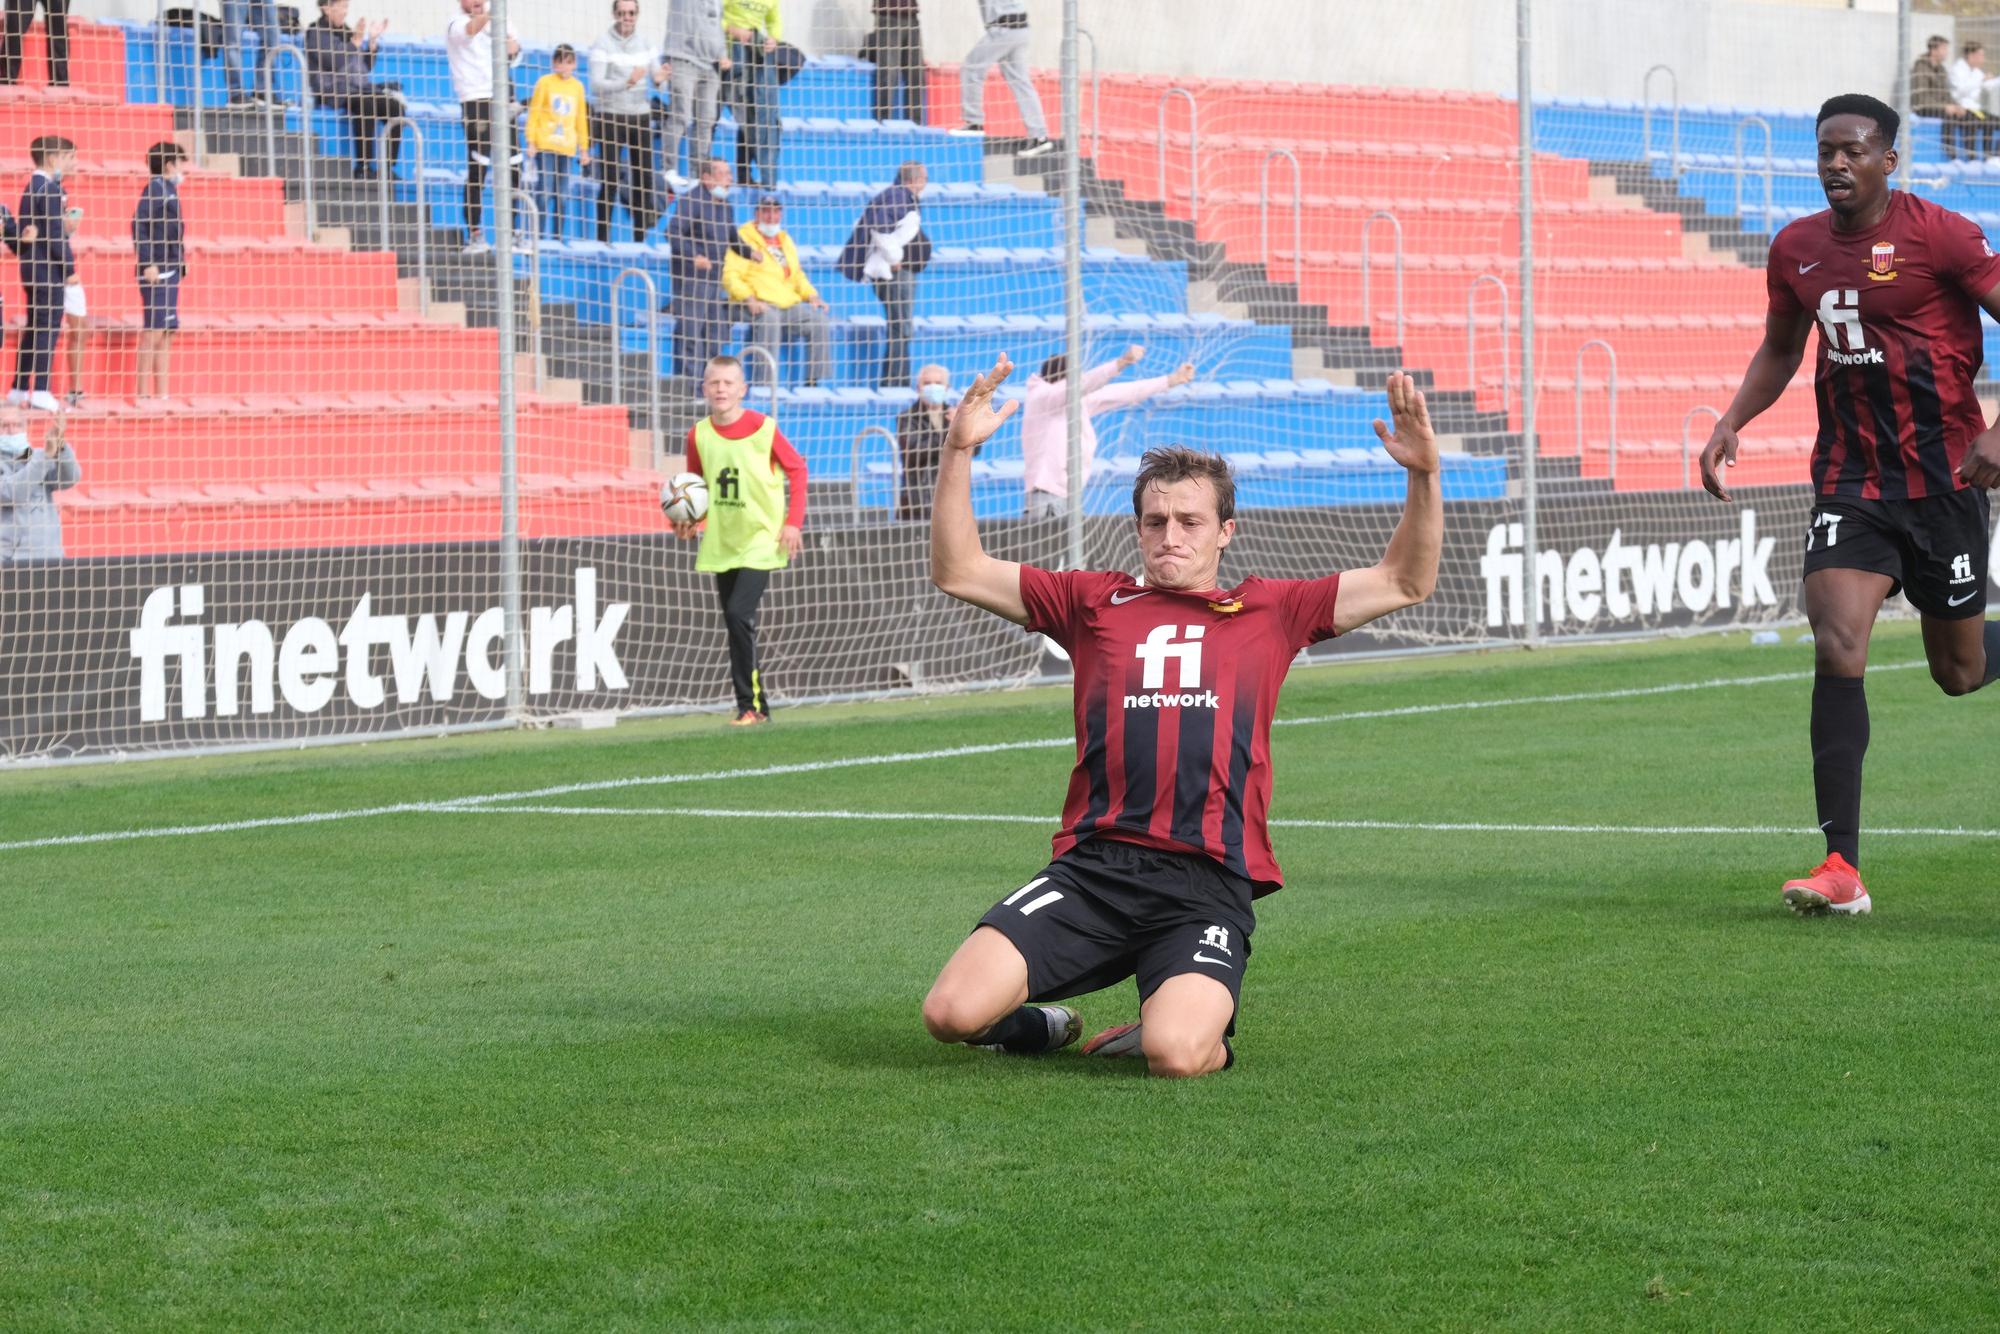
[(1044, 422)]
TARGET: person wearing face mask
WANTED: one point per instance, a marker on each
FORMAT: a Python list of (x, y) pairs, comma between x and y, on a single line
[(48, 267), (30, 523), (157, 233), (920, 432), (888, 249), (698, 238), (763, 272), (698, 58)]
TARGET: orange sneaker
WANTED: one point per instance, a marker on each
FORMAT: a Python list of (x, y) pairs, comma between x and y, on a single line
[(749, 718), (1834, 886), (1120, 1041)]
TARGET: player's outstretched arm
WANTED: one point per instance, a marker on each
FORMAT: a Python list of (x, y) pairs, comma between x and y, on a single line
[(959, 565), (1981, 465), (1408, 569), (1771, 369)]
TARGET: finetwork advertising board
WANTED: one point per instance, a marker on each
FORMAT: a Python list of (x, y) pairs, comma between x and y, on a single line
[(178, 652)]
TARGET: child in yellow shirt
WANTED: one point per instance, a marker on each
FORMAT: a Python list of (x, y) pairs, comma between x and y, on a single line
[(558, 134)]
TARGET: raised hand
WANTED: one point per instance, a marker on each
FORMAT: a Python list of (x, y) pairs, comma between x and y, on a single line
[(1414, 443), (1134, 354), (1182, 374), (1719, 452), (976, 421)]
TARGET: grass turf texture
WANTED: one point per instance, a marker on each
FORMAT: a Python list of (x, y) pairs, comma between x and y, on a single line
[(430, 1070)]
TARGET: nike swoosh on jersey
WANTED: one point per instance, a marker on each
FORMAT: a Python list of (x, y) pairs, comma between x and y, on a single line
[(1953, 602), (1129, 594), (1808, 268), (1199, 957)]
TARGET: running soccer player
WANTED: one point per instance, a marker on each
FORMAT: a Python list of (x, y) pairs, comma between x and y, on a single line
[(1903, 458), (1162, 845)]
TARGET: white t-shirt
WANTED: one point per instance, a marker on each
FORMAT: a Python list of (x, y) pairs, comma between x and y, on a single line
[(471, 58)]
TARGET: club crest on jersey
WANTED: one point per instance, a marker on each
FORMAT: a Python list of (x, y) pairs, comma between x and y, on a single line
[(1882, 262), (1228, 608)]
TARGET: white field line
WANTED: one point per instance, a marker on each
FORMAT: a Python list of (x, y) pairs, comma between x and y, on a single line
[(1413, 826), (860, 761)]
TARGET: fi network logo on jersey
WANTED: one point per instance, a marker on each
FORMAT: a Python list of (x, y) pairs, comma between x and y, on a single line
[(1181, 644), (1840, 324)]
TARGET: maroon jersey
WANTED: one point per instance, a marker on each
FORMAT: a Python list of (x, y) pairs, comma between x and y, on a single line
[(1899, 344), (1174, 697)]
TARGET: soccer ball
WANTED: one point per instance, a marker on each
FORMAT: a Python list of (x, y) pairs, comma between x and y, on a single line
[(684, 498)]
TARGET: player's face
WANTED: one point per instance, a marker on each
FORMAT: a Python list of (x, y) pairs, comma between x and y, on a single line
[(1855, 164), (1180, 537), (723, 388)]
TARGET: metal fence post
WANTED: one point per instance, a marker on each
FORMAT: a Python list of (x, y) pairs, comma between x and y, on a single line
[(652, 291), (272, 109), (1298, 211), (1367, 269), (501, 109), (1611, 455), (1524, 97)]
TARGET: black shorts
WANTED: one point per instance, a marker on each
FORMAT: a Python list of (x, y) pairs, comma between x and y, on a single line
[(1936, 549), (160, 302), (1107, 910)]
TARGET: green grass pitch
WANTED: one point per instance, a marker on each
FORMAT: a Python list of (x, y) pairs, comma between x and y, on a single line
[(438, 1069)]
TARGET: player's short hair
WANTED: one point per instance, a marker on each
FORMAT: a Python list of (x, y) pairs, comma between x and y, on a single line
[(1970, 47), (1167, 464), (722, 363), (163, 155), (1055, 368), (47, 146), (1861, 104), (563, 52)]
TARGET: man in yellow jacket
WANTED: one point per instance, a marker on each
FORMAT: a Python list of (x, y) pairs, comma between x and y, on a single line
[(763, 273)]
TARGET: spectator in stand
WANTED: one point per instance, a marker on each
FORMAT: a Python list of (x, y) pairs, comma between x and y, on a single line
[(468, 46), (698, 60), (763, 272), (1930, 91), (1969, 83), (237, 15), (339, 60), (157, 234), (753, 28), (899, 61), (920, 431), (559, 133), (48, 268), (1045, 422), (1006, 45), (888, 249), (698, 239), (753, 527), (624, 69), (30, 523), (20, 16)]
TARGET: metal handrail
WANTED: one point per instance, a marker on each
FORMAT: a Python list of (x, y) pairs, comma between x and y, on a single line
[(160, 49), (652, 290), (1298, 211), (1368, 269), (1646, 121), (1506, 328), (271, 110), (1769, 166), (1687, 421), (160, 73), (385, 185), (526, 204), (1090, 37), (771, 360), (854, 466), (1611, 356), (1194, 147)]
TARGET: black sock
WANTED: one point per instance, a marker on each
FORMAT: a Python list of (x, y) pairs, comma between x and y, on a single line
[(1839, 740), (1228, 1054), (1992, 653), (1025, 1030)]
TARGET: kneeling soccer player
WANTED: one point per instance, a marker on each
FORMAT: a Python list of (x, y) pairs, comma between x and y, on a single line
[(1163, 843)]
